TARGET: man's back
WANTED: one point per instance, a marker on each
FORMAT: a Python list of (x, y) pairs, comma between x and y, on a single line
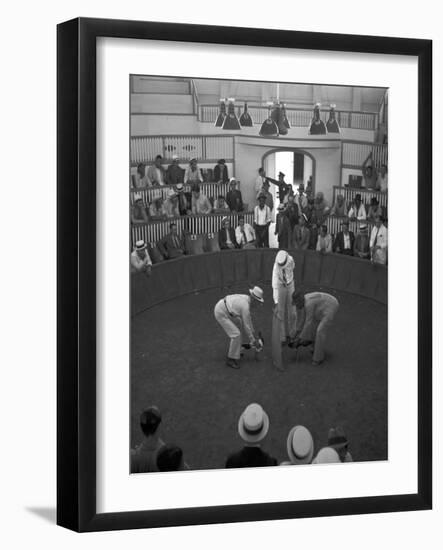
[(319, 304), (250, 457)]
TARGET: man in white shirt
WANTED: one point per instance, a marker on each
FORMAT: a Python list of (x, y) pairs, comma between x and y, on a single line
[(200, 202), (260, 180), (282, 291), (357, 210), (378, 243), (300, 198), (233, 314), (156, 173), (140, 260), (244, 234), (382, 180), (262, 221)]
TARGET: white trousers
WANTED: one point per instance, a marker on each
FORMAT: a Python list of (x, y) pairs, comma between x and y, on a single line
[(233, 328), (285, 310)]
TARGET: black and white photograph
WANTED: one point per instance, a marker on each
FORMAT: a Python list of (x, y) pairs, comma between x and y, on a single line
[(258, 228)]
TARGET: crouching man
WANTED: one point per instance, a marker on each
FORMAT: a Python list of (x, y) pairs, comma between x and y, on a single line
[(315, 313)]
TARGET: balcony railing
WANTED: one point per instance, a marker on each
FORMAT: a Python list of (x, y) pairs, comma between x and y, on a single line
[(356, 152), (366, 195), (148, 194)]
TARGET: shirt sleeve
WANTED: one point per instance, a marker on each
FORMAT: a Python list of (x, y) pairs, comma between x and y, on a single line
[(247, 323), (275, 284)]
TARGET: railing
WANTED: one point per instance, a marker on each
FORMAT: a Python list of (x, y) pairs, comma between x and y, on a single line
[(212, 147), (299, 117), (366, 195), (148, 194), (356, 152), (195, 225), (334, 224)]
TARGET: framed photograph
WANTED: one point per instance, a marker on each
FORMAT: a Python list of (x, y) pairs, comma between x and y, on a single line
[(238, 339)]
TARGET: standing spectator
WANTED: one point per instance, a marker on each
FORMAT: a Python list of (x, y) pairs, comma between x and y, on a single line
[(193, 173), (253, 426), (138, 211), (157, 209), (244, 233), (374, 209), (170, 459), (282, 291), (378, 243), (317, 126), (140, 179), (369, 173), (174, 173), (269, 198), (300, 198), (337, 440), (262, 221), (382, 179), (221, 172), (314, 231), (226, 235), (309, 187), (361, 244), (321, 209), (140, 260), (340, 208), (156, 173), (171, 205), (260, 179), (183, 205), (300, 446), (283, 187), (172, 245), (200, 202), (309, 210), (144, 456), (220, 205), (292, 212), (301, 234), (234, 197), (357, 210), (324, 241), (282, 228), (344, 240)]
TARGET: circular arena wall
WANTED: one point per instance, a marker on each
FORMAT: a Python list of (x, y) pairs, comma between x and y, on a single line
[(173, 278)]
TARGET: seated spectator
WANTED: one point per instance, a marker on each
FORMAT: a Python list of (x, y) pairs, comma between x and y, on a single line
[(144, 456), (337, 440), (357, 210), (200, 202), (292, 211), (234, 197), (321, 208), (226, 236), (324, 241), (260, 179), (140, 179), (170, 459), (138, 211), (317, 126), (244, 233), (283, 187), (172, 245), (184, 207), (369, 173), (282, 228), (174, 173), (171, 205), (378, 243), (156, 173), (253, 426), (301, 234), (314, 231), (265, 191), (340, 207), (361, 244), (344, 240), (300, 446), (157, 208), (140, 260), (374, 209), (220, 205), (300, 199), (382, 179), (221, 172), (327, 455), (193, 173)]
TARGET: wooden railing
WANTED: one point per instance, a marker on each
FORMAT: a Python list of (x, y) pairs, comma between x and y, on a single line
[(334, 224), (356, 152), (366, 195), (148, 194)]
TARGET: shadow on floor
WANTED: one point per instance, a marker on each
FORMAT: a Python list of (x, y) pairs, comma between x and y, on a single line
[(48, 514)]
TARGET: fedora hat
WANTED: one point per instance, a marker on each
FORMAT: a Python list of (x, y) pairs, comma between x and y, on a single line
[(253, 424), (337, 438), (300, 445), (179, 186), (327, 455), (140, 245), (257, 293)]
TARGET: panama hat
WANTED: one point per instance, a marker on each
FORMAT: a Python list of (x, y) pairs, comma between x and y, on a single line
[(300, 445), (282, 257), (337, 438), (257, 293), (327, 455), (140, 245), (253, 424)]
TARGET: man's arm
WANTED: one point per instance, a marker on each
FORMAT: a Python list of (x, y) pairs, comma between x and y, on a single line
[(366, 162), (275, 284), (247, 323), (329, 244)]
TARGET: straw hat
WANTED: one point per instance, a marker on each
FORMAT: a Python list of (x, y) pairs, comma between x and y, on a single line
[(257, 294), (140, 245), (300, 445), (282, 257), (327, 455), (253, 424)]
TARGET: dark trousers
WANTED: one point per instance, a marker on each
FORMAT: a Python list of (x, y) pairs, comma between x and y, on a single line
[(262, 233)]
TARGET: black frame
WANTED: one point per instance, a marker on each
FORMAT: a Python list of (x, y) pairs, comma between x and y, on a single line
[(76, 291)]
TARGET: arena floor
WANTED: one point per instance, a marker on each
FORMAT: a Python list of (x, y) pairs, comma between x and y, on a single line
[(178, 364)]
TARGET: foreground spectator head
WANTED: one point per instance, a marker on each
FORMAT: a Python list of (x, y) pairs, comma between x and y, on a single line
[(327, 455), (300, 445), (170, 459), (253, 424), (337, 440), (150, 421)]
